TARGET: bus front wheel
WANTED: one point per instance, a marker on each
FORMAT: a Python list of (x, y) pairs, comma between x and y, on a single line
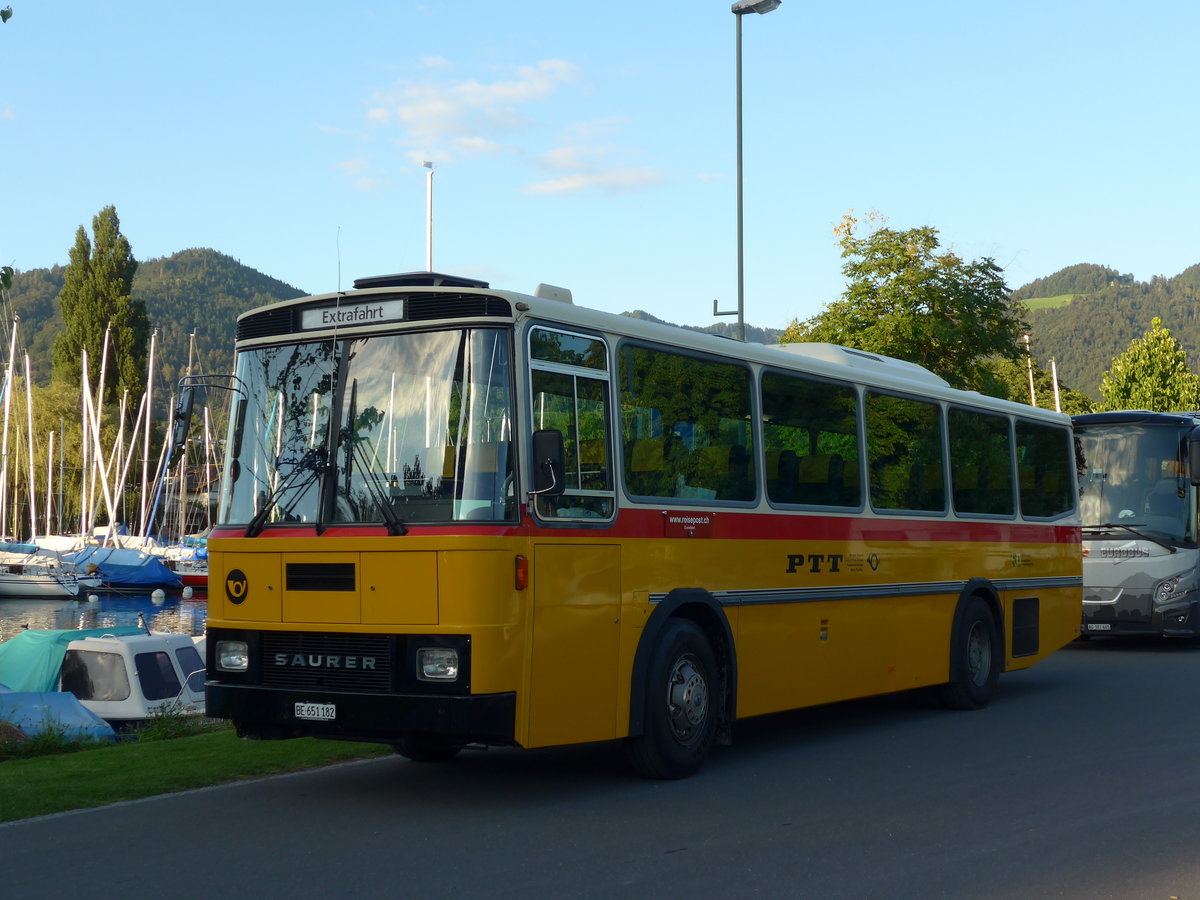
[(975, 655), (682, 704)]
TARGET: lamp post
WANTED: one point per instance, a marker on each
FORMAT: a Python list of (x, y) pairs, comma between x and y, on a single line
[(428, 217), (739, 9)]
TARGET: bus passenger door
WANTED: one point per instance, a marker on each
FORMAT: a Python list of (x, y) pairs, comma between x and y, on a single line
[(576, 630)]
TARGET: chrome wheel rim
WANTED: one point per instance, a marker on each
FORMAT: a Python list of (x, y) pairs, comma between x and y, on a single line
[(687, 699), (979, 654)]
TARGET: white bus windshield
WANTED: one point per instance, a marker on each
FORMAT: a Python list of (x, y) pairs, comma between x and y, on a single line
[(1133, 477), (422, 431)]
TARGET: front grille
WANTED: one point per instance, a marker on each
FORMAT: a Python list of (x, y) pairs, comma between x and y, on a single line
[(267, 323), (336, 662), (453, 306), (320, 577)]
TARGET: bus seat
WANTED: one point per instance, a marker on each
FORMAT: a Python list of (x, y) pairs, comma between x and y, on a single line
[(449, 462), (1163, 499), (786, 483), (483, 458), (771, 458), (1164, 509), (1028, 478), (819, 476), (967, 488), (851, 484), (593, 454), (644, 458), (593, 464)]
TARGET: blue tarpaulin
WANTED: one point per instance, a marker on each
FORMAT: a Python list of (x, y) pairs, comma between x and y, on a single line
[(31, 660), (36, 712), (122, 568)]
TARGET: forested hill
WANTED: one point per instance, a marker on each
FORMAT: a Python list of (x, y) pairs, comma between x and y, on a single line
[(1106, 312), (196, 290), (1081, 279), (199, 290)]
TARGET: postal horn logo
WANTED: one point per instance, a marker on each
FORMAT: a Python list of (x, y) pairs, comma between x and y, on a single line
[(236, 586)]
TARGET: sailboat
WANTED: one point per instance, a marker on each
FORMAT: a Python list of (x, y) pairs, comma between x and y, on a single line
[(28, 571)]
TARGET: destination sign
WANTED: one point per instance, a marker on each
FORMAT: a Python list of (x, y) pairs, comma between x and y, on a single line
[(352, 314)]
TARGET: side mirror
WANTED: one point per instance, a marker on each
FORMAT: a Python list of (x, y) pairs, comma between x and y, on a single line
[(182, 421), (548, 457), (1193, 464)]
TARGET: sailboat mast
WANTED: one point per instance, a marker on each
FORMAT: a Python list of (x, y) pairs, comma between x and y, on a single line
[(32, 467), (49, 482), (146, 441), (12, 351)]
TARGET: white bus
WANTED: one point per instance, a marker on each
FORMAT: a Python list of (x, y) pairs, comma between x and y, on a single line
[(1138, 502)]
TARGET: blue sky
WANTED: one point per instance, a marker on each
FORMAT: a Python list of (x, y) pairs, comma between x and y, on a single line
[(591, 145)]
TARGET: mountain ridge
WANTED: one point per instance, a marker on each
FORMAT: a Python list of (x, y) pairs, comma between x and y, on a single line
[(202, 291)]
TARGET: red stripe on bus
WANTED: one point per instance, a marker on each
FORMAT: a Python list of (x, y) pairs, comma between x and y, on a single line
[(729, 525)]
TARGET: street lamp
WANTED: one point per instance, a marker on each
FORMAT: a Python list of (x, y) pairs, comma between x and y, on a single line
[(428, 217), (739, 9)]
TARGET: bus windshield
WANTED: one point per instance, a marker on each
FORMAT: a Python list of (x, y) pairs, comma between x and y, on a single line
[(1133, 477), (389, 428)]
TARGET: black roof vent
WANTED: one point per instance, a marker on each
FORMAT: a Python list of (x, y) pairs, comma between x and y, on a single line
[(418, 279)]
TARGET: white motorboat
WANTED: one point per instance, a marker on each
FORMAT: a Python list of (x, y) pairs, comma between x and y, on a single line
[(124, 675)]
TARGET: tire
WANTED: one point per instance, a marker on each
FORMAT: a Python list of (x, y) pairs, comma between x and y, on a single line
[(427, 749), (683, 700), (975, 655)]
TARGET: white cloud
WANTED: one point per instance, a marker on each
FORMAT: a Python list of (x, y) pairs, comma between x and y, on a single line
[(435, 112), (7, 112), (361, 174), (444, 120), (591, 167), (617, 180), (478, 145)]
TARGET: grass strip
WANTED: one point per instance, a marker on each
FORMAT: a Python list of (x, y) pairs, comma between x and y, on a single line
[(129, 771)]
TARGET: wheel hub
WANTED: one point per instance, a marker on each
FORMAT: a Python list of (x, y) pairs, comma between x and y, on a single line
[(687, 698)]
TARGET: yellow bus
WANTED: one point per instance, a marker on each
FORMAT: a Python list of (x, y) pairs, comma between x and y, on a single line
[(453, 515)]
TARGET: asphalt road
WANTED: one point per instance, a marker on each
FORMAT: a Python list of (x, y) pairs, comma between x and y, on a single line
[(1079, 781)]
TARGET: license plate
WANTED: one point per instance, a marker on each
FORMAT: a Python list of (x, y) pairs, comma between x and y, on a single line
[(1099, 626), (322, 712)]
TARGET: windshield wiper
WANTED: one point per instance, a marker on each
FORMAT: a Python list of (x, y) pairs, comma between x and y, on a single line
[(1132, 529), (356, 459), (395, 525), (312, 463)]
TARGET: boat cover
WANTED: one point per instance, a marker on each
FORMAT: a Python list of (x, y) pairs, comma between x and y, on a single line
[(124, 568), (31, 660), (37, 711)]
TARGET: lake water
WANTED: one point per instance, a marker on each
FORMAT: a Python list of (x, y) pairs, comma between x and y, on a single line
[(172, 613)]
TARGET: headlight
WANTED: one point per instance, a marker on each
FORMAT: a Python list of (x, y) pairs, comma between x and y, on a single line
[(232, 656), (437, 664), (1165, 590)]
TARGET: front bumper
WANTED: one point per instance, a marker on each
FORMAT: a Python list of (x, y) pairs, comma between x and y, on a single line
[(270, 712)]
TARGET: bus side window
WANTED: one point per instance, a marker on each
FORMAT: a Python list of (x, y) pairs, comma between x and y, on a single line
[(686, 426), (570, 394), (904, 445), (810, 428), (1044, 475)]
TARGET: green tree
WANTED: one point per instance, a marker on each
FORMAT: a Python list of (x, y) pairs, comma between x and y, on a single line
[(907, 298), (95, 296), (1152, 374)]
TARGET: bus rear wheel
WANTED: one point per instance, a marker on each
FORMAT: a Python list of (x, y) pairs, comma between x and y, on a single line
[(975, 655), (682, 705), (427, 749)]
